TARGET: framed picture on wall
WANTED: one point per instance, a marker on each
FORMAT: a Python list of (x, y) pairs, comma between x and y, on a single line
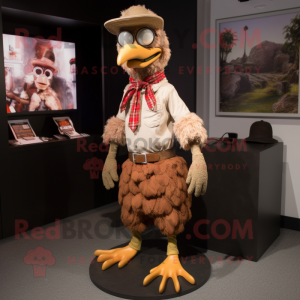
[(258, 60)]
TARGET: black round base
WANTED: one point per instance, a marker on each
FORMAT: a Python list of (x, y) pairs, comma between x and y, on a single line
[(128, 281)]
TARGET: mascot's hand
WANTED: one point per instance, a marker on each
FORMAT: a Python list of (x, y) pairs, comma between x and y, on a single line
[(197, 176), (109, 174)]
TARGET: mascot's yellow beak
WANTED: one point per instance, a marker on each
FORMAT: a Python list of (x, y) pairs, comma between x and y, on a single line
[(137, 56)]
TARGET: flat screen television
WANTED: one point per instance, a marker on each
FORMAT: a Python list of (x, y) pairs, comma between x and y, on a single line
[(40, 74)]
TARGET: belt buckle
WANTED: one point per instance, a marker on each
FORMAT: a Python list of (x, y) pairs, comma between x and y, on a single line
[(133, 159)]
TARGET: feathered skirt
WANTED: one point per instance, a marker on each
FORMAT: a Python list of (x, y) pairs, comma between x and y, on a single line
[(155, 194)]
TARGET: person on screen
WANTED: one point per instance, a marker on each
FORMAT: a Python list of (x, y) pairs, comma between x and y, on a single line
[(37, 93)]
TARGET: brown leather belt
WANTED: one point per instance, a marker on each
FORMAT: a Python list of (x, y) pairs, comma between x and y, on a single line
[(151, 157)]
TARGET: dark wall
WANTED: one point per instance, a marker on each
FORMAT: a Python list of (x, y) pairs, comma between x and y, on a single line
[(5, 171), (94, 11)]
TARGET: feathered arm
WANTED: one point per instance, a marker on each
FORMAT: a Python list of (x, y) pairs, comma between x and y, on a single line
[(114, 135), (114, 132), (189, 131), (191, 134)]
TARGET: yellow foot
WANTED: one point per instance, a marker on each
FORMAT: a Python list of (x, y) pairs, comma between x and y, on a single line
[(170, 267), (110, 257)]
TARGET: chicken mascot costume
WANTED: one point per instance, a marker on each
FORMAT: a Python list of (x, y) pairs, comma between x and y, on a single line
[(155, 185)]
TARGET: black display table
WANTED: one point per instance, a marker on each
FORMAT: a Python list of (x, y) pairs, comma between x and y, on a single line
[(49, 181), (240, 213), (128, 281)]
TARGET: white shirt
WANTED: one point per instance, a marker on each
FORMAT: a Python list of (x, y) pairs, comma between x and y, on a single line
[(155, 130)]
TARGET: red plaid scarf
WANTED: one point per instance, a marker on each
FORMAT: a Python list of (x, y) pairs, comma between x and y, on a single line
[(134, 91)]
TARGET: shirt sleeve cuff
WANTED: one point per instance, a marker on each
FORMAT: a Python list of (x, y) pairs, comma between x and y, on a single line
[(120, 116)]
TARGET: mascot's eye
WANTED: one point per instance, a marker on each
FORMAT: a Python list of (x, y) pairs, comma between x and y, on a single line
[(38, 71), (125, 37), (145, 36), (48, 73)]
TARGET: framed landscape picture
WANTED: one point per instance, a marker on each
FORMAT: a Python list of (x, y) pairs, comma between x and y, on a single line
[(258, 60)]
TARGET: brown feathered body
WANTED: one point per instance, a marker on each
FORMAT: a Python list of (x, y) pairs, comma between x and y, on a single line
[(155, 194)]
